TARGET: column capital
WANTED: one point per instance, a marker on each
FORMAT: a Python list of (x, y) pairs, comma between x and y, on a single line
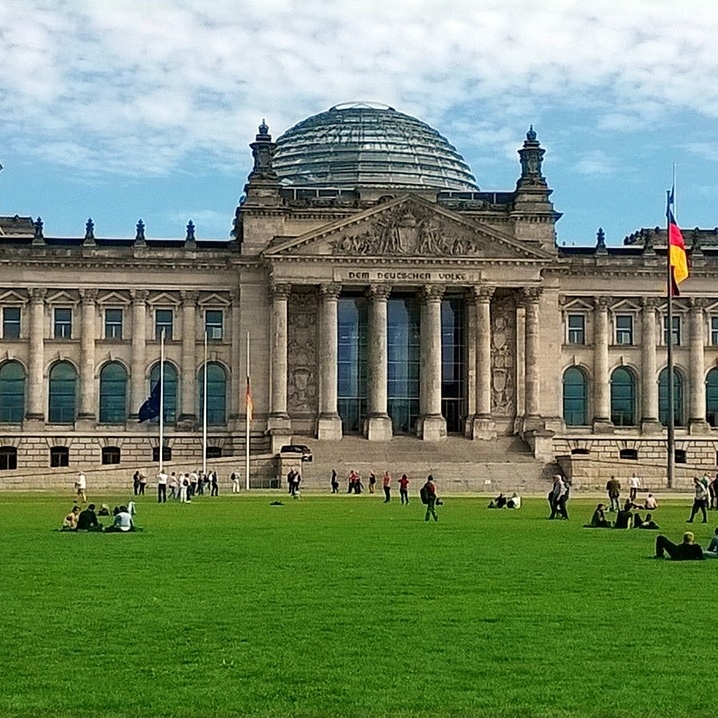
[(482, 293), (88, 296), (234, 296), (650, 302), (280, 290), (38, 294), (432, 293), (601, 302), (378, 291), (330, 290), (697, 304), (139, 296), (530, 295), (189, 297)]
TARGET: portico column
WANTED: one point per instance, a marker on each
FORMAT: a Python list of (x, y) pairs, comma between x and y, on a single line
[(696, 380), (484, 427), (36, 361), (433, 424), (138, 387), (237, 380), (189, 357), (378, 424), (601, 388), (330, 424), (649, 376), (87, 355), (531, 296), (279, 424)]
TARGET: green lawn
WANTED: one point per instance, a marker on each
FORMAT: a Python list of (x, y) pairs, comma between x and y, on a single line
[(343, 606)]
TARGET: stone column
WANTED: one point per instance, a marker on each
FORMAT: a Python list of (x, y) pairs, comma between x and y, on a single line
[(601, 386), (330, 424), (378, 425), (484, 427), (87, 355), (36, 363), (238, 349), (433, 424), (279, 424), (649, 375), (138, 386), (531, 296), (188, 414), (697, 380)]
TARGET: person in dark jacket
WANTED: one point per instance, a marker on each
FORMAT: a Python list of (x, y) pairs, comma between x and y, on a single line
[(87, 520), (687, 550)]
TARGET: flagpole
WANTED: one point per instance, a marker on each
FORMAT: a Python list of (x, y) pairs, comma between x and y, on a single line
[(671, 438), (204, 411), (248, 422), (162, 398)]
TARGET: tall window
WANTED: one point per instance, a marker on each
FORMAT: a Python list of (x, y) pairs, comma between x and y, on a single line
[(63, 323), (163, 320), (403, 349), (216, 394), (169, 398), (624, 329), (214, 324), (12, 392), (8, 458), (678, 419), (714, 331), (712, 397), (676, 331), (453, 364), (113, 324), (575, 395), (623, 397), (352, 362), (11, 322), (576, 329), (62, 393), (113, 393)]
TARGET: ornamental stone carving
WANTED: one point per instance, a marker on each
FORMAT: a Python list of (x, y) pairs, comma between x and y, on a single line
[(302, 342), (280, 290), (432, 293), (330, 290), (503, 359)]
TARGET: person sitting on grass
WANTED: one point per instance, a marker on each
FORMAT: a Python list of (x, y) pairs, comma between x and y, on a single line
[(514, 502), (599, 520), (624, 518), (687, 550), (122, 523), (87, 520), (650, 504), (712, 550), (104, 510), (649, 523), (498, 503), (69, 523)]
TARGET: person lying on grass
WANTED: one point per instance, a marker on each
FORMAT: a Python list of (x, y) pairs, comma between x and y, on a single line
[(687, 550), (599, 520), (649, 523)]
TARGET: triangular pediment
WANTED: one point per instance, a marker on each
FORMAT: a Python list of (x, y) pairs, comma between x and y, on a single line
[(60, 297), (113, 298), (12, 297), (407, 227)]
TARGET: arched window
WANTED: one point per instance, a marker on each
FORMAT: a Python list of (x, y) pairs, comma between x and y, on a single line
[(113, 393), (575, 393), (678, 417), (12, 392), (216, 394), (170, 391), (623, 397), (712, 397), (62, 393)]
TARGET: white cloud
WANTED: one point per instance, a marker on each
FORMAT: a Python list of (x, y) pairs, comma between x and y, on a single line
[(595, 162)]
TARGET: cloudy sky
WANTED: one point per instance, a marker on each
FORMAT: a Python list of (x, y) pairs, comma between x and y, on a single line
[(121, 109)]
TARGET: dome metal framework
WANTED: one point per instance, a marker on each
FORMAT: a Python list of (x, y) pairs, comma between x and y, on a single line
[(367, 145)]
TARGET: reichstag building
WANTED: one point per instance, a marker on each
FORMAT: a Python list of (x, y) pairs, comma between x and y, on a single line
[(384, 293)]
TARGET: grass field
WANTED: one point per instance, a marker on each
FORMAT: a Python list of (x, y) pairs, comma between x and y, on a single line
[(343, 606)]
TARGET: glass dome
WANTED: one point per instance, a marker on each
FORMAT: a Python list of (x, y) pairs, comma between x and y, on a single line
[(363, 145)]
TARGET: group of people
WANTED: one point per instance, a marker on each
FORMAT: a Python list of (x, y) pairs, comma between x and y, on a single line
[(501, 502), (626, 518), (558, 497), (294, 479), (355, 485), (87, 519), (184, 486)]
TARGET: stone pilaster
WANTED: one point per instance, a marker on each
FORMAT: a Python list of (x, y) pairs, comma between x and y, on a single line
[(378, 424), (86, 413), (483, 425), (601, 386), (239, 343), (530, 297), (188, 415), (138, 386), (432, 423), (36, 362), (649, 375), (696, 381), (330, 424), (279, 424)]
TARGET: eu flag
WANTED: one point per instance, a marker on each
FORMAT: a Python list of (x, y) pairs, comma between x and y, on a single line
[(151, 408)]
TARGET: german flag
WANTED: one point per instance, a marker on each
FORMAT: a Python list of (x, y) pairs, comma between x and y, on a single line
[(249, 403), (677, 257)]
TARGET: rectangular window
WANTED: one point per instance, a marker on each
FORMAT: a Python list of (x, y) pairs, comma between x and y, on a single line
[(59, 456), (63, 323), (113, 324), (676, 331), (213, 324), (714, 331), (163, 320), (11, 322), (576, 329), (624, 329)]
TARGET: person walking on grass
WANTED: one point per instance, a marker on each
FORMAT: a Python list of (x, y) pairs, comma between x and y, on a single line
[(234, 478), (613, 487), (372, 482), (81, 487), (700, 502), (428, 496), (214, 482), (162, 487), (335, 482), (634, 483), (386, 485), (404, 489)]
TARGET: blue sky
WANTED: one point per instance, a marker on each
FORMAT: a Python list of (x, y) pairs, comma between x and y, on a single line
[(121, 109)]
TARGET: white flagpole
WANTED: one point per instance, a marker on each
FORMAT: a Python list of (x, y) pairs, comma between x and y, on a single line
[(162, 398), (247, 422), (204, 411)]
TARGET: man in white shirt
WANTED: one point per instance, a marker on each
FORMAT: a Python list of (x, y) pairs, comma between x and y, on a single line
[(634, 483), (122, 523), (81, 487), (162, 487)]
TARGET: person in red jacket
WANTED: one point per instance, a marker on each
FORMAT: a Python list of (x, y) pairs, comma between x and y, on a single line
[(404, 489)]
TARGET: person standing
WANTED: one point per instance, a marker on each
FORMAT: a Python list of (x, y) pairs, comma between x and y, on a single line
[(700, 502), (214, 481), (162, 487), (335, 482), (386, 484), (404, 489), (234, 478), (136, 483), (372, 482), (81, 487), (634, 483), (143, 483), (559, 497), (613, 487), (430, 498)]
